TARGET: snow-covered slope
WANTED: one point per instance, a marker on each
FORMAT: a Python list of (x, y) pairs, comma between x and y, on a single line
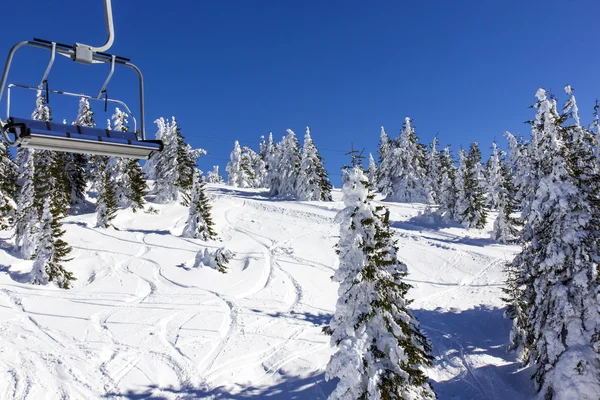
[(141, 323)]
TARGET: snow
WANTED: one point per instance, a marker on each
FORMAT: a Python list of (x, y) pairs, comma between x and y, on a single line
[(142, 322)]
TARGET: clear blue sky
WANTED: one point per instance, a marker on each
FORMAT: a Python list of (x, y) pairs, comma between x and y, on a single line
[(464, 70)]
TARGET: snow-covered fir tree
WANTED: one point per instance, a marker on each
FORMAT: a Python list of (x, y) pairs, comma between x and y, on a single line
[(7, 187), (237, 175), (506, 225), (27, 215), (386, 169), (52, 251), (448, 192), (166, 170), (44, 182), (558, 264), (470, 204), (313, 182), (106, 204), (128, 178), (432, 173), (408, 174), (199, 223), (214, 176), (285, 166), (186, 162), (380, 349), (253, 167), (494, 178), (372, 170), (77, 164), (266, 151)]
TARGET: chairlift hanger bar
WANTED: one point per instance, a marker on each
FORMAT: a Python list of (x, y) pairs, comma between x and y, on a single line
[(78, 95)]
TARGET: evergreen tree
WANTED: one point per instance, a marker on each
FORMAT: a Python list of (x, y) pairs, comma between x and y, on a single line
[(186, 161), (106, 205), (372, 171), (253, 167), (494, 178), (77, 164), (313, 182), (285, 166), (448, 191), (408, 174), (266, 152), (470, 204), (386, 169), (7, 187), (128, 178), (237, 173), (558, 264), (27, 215), (214, 176), (199, 223), (432, 174), (44, 182), (166, 170), (380, 349), (506, 225), (52, 251)]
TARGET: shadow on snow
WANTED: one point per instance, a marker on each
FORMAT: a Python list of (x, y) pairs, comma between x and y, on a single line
[(290, 387), (472, 343)]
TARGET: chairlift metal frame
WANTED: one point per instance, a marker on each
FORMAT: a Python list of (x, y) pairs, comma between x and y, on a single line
[(95, 142)]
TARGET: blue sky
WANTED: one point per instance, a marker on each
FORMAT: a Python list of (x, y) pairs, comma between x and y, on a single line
[(464, 70)]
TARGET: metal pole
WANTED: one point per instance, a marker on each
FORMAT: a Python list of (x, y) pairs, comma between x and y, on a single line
[(110, 29)]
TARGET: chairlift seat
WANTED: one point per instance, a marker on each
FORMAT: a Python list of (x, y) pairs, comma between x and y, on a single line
[(80, 139)]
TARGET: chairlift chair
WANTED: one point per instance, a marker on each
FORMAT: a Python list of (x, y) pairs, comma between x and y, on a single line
[(71, 138)]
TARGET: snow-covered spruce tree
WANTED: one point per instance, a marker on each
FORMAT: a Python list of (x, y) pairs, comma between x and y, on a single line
[(186, 162), (106, 204), (506, 226), (129, 181), (253, 167), (448, 191), (386, 169), (595, 129), (313, 182), (237, 175), (266, 151), (470, 205), (432, 173), (52, 251), (380, 349), (77, 164), (285, 166), (7, 187), (149, 168), (408, 159), (43, 181), (27, 215), (558, 264), (494, 179), (372, 170), (167, 165), (214, 176), (199, 223)]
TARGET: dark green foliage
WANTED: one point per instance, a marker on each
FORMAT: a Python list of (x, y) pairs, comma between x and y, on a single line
[(474, 213), (54, 268), (186, 163), (8, 188), (137, 182)]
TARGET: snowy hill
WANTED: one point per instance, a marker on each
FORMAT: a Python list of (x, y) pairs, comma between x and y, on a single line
[(141, 323)]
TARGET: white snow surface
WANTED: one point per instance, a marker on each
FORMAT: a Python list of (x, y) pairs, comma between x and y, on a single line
[(141, 322)]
